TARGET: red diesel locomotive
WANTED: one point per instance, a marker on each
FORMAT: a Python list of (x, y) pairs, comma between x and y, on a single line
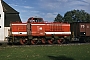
[(36, 31)]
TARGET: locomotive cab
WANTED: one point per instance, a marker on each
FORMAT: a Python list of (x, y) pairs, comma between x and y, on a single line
[(35, 19)]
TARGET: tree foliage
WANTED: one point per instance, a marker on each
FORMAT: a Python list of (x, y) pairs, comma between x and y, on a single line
[(74, 16), (77, 16), (58, 18)]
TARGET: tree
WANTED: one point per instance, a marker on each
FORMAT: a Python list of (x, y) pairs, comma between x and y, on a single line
[(58, 18), (76, 16)]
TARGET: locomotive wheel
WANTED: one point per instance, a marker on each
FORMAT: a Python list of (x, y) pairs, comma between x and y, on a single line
[(10, 42), (33, 42), (60, 41), (43, 41), (87, 40), (22, 41), (50, 41)]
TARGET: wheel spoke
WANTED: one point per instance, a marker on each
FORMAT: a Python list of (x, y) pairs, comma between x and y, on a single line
[(33, 42), (50, 41), (59, 41), (43, 41)]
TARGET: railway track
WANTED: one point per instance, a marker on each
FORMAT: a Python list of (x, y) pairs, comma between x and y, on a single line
[(71, 44)]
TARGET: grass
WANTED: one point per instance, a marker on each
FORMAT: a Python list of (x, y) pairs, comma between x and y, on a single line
[(61, 52)]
